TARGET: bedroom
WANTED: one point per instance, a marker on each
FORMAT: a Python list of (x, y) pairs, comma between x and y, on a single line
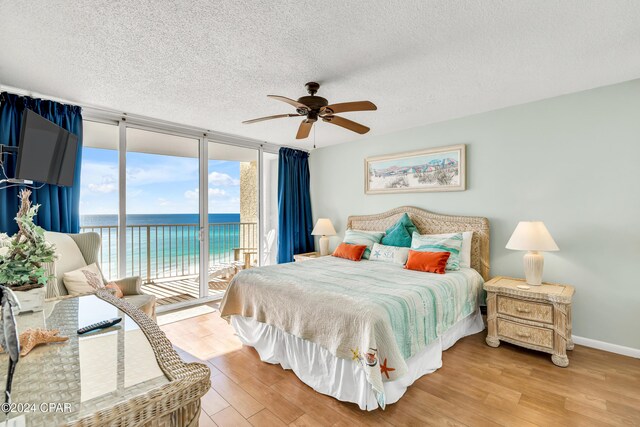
[(471, 118)]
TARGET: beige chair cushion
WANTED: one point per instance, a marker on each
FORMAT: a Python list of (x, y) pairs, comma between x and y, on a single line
[(69, 256), (146, 303), (83, 280)]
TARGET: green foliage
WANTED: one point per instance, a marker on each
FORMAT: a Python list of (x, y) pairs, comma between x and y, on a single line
[(22, 256)]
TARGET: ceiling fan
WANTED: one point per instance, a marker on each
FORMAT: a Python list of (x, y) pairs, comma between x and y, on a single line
[(314, 107)]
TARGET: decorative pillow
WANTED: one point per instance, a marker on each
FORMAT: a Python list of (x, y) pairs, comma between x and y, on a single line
[(113, 287), (83, 280), (465, 252), (431, 262), (400, 233), (427, 243), (349, 251), (394, 254), (361, 237)]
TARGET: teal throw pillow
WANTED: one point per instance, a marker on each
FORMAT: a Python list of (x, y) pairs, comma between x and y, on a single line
[(400, 233)]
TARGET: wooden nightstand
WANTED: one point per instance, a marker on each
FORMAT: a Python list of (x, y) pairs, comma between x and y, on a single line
[(306, 257), (538, 318)]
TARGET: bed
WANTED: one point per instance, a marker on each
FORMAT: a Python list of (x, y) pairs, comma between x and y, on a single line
[(361, 332)]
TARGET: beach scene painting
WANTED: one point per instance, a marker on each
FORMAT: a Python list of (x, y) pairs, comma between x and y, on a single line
[(436, 169)]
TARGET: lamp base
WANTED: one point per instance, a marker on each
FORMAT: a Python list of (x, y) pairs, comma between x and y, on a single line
[(324, 246), (533, 265)]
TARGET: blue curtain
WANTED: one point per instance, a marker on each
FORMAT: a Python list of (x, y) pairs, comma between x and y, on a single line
[(294, 205), (59, 206)]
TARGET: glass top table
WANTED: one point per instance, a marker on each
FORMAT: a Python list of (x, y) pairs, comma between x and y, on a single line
[(90, 375)]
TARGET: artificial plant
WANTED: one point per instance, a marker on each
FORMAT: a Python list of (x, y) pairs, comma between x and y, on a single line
[(23, 255)]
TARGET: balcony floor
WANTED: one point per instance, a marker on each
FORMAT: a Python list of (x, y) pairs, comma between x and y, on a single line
[(180, 289)]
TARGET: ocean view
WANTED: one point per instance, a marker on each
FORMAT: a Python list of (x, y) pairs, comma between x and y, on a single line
[(167, 245), (144, 219)]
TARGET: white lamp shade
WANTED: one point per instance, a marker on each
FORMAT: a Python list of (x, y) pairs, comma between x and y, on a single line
[(323, 228), (531, 236)]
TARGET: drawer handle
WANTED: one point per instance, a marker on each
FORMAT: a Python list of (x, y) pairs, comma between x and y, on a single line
[(523, 335), (523, 310)]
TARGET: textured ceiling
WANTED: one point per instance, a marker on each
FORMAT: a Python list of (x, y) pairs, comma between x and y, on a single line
[(211, 64)]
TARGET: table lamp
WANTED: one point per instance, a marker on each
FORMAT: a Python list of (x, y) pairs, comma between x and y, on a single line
[(532, 236), (324, 228)]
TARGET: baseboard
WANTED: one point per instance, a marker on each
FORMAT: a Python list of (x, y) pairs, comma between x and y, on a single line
[(612, 348)]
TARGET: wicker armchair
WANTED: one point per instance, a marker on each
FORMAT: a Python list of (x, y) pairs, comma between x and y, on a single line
[(79, 250)]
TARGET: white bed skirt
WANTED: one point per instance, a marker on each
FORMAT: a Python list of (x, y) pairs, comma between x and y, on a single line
[(344, 379)]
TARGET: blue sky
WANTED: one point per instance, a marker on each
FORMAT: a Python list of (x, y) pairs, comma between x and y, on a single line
[(155, 184)]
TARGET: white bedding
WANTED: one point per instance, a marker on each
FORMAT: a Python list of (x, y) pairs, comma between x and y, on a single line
[(344, 379), (377, 314)]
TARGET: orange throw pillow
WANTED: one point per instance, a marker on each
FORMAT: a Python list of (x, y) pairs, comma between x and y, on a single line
[(117, 292), (431, 262), (348, 251)]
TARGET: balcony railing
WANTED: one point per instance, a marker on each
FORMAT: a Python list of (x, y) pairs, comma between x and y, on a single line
[(159, 251)]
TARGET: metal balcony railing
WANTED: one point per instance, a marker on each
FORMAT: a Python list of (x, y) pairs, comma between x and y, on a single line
[(159, 251)]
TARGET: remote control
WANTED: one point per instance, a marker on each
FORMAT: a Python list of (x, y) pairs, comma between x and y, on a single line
[(100, 325)]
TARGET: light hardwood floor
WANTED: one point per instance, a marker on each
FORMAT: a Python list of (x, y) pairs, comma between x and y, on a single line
[(477, 386)]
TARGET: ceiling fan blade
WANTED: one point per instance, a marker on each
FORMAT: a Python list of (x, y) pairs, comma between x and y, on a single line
[(304, 129), (347, 124), (345, 107), (277, 116), (289, 101)]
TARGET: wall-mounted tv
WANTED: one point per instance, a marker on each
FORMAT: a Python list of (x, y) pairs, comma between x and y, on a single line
[(46, 152)]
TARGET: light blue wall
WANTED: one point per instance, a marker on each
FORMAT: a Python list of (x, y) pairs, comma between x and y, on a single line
[(571, 161)]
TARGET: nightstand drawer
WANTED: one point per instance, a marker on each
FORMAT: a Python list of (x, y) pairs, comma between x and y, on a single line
[(525, 309), (527, 334)]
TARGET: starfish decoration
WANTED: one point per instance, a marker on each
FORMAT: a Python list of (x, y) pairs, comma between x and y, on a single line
[(356, 354), (384, 369), (33, 337)]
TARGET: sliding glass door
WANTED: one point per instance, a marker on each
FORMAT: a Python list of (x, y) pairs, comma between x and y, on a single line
[(183, 212), (163, 214), (99, 195), (233, 210)]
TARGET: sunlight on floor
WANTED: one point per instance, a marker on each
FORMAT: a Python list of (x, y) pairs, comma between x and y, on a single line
[(202, 337)]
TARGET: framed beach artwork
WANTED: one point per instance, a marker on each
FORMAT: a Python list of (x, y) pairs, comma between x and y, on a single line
[(435, 169)]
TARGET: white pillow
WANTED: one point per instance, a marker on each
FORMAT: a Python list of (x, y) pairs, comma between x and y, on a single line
[(394, 254), (465, 251), (84, 280)]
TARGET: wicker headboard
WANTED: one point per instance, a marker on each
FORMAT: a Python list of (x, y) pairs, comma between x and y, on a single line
[(432, 223)]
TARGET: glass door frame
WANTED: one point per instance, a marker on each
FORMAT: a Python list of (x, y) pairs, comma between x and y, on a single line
[(204, 137), (259, 151), (124, 121), (122, 210)]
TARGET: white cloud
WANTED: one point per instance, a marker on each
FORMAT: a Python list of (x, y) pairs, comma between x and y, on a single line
[(217, 178), (107, 185), (191, 194), (213, 193), (99, 178), (102, 188), (162, 171), (163, 202)]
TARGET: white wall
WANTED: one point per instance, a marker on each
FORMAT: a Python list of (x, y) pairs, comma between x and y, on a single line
[(571, 161)]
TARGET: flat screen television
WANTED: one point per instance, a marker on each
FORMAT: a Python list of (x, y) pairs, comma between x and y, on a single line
[(46, 152)]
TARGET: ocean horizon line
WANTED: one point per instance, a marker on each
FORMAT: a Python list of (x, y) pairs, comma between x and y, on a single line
[(184, 213), (94, 220)]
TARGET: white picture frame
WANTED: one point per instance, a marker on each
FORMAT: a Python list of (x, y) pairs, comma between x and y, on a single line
[(433, 169)]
